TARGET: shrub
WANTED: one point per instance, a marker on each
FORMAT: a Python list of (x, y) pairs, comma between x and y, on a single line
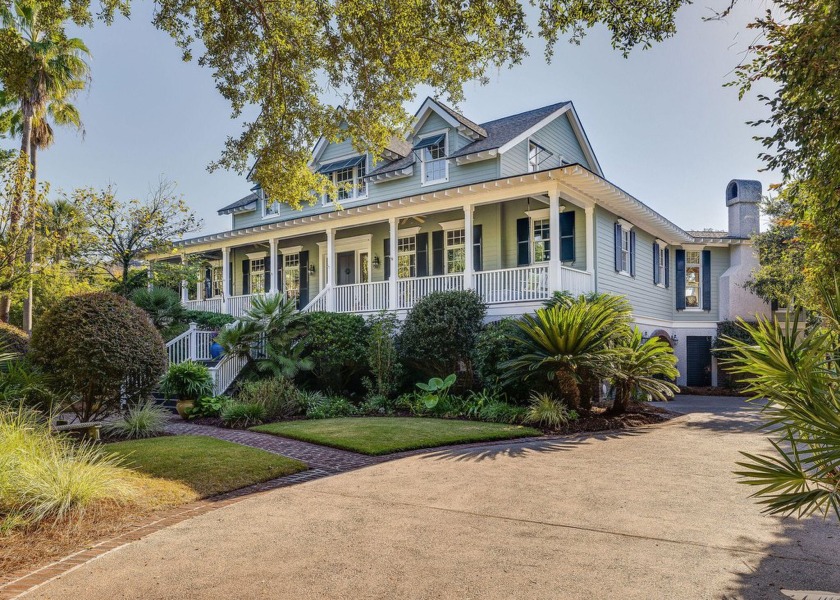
[(144, 420), (22, 383), (209, 406), (100, 348), (336, 343), (278, 395), (242, 415), (382, 357), (331, 408), (207, 320), (13, 339), (547, 412), (376, 404), (495, 344), (46, 476), (188, 380), (163, 305), (439, 334)]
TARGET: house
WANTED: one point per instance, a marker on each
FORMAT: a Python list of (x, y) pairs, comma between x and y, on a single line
[(514, 208)]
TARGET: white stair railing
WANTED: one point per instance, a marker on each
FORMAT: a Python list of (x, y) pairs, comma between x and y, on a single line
[(193, 344), (319, 302), (225, 372)]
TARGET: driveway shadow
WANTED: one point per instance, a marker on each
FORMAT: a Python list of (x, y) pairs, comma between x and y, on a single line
[(804, 557)]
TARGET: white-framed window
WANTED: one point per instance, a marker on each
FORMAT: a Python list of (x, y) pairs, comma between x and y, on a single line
[(218, 282), (291, 276), (661, 278), (536, 155), (456, 251), (625, 250), (257, 275), (541, 232), (407, 257), (350, 182), (270, 209), (693, 278), (364, 267), (433, 162)]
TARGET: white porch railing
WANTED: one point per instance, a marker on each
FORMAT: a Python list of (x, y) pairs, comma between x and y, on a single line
[(319, 302), (239, 305), (521, 284), (409, 291), (225, 372), (209, 305), (575, 281), (361, 297)]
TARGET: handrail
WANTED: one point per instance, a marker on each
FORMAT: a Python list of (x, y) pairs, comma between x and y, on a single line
[(316, 302)]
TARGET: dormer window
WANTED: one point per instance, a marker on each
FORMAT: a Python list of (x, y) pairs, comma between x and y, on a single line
[(348, 176), (536, 155), (270, 209), (433, 164)]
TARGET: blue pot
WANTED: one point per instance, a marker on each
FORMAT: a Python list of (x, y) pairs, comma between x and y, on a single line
[(216, 350)]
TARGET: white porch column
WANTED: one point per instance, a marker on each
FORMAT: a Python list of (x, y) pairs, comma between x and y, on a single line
[(272, 265), (392, 280), (554, 278), (225, 279), (185, 291), (590, 239), (330, 269), (469, 267), (149, 277)]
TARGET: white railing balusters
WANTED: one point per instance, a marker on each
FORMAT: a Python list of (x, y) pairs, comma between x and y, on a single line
[(209, 305), (361, 297), (319, 302), (521, 284), (575, 281), (409, 291), (225, 372)]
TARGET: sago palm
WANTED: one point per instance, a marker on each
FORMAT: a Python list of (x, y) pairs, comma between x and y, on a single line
[(643, 367), (570, 342), (798, 374)]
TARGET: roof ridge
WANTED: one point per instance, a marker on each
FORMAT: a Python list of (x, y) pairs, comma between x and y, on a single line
[(556, 105)]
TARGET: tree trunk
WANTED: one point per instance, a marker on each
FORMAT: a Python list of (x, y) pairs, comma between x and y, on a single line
[(32, 218), (567, 388), (622, 400)]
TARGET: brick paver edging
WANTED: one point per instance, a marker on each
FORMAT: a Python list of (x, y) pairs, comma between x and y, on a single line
[(322, 460)]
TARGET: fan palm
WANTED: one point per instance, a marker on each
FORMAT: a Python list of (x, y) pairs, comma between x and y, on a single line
[(571, 342), (799, 376), (643, 367)]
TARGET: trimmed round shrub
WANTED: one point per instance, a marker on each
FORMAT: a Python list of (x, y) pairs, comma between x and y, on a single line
[(13, 339), (494, 345), (337, 345), (99, 348), (439, 334)]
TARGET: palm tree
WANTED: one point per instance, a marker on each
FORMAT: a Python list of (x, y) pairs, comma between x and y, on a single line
[(571, 342), (51, 70), (63, 228), (643, 367)]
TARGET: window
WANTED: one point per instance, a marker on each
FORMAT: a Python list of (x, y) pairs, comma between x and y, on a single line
[(257, 275), (270, 208), (291, 276), (349, 181), (456, 253), (406, 257), (692, 279), (625, 250), (542, 241), (661, 278), (536, 155), (218, 283), (363, 267), (433, 158), (343, 180)]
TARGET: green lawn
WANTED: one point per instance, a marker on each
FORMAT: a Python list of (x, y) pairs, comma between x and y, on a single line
[(208, 465), (383, 435)]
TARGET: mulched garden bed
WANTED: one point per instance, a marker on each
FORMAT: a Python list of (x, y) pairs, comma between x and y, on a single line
[(711, 391), (636, 415)]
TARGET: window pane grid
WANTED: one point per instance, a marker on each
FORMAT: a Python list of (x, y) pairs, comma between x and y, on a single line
[(455, 251), (542, 244), (291, 276), (434, 161), (692, 279)]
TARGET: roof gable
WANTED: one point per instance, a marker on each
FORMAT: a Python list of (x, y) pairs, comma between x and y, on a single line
[(463, 125)]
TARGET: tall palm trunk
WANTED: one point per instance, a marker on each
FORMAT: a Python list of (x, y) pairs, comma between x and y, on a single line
[(32, 218), (27, 109)]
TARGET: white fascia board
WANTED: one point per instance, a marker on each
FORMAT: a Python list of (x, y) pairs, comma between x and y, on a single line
[(320, 146), (533, 129), (423, 113), (583, 140)]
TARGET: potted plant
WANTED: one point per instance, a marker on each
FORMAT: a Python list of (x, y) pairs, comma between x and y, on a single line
[(187, 381)]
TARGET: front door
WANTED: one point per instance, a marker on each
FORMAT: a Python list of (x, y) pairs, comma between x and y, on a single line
[(346, 263), (699, 361)]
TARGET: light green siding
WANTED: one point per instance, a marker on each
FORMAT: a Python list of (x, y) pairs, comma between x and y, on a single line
[(557, 137), (516, 209)]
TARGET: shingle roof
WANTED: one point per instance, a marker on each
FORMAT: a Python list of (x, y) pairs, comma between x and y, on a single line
[(399, 146), (499, 132), (708, 234), (240, 205), (463, 120)]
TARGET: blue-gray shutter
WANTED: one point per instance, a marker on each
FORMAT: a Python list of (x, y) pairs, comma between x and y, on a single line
[(680, 275), (706, 263), (208, 282), (617, 249), (281, 281), (267, 274), (632, 254), (230, 279), (656, 264), (422, 254), (477, 258), (523, 242), (567, 236), (246, 280), (667, 268), (437, 253), (387, 254), (304, 279)]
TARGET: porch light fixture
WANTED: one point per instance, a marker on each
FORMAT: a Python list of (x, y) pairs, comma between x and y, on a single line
[(376, 262), (645, 336), (312, 269), (674, 338)]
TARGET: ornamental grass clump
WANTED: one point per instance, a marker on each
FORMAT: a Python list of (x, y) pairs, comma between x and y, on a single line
[(43, 476), (144, 420), (547, 412)]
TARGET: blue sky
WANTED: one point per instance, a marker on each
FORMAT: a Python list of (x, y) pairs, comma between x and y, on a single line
[(662, 125)]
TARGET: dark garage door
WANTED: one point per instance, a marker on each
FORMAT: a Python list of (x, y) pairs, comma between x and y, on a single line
[(699, 359)]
